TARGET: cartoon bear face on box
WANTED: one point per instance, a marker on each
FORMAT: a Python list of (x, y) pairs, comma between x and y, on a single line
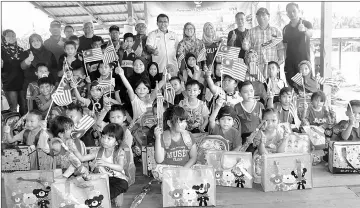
[(95, 201)]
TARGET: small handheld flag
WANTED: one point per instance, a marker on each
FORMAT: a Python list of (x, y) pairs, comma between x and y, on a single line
[(62, 95), (234, 68), (228, 51), (298, 79), (271, 43), (94, 54), (85, 123)]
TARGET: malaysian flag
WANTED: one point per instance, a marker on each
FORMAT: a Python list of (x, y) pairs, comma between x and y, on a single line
[(233, 68), (298, 79), (68, 73), (327, 81), (180, 58), (109, 54), (271, 43), (107, 84), (202, 55), (255, 71), (139, 50), (94, 54), (85, 123), (169, 93), (62, 95), (228, 51)]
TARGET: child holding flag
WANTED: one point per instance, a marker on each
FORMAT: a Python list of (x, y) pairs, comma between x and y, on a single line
[(43, 100), (305, 81), (274, 83)]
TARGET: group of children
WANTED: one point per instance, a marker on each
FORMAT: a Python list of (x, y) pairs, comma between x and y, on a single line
[(247, 113)]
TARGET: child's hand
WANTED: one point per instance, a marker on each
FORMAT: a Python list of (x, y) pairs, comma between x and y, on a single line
[(158, 131), (73, 85), (220, 102), (107, 99), (190, 74), (32, 148), (100, 162), (352, 119), (197, 68), (119, 71), (207, 72), (262, 138), (88, 80), (202, 129), (43, 124), (7, 129), (270, 94), (30, 58)]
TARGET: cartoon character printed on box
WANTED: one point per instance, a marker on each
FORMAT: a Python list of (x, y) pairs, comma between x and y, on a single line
[(42, 197), (202, 196), (177, 195), (239, 177), (228, 178), (29, 200), (300, 177), (218, 176), (95, 202), (190, 197), (18, 199)]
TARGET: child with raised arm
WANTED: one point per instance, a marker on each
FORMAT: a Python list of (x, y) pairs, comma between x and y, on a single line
[(175, 145), (224, 128), (33, 135), (198, 112), (350, 130)]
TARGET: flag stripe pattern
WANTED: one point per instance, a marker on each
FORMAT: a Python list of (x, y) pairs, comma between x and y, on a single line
[(271, 43), (320, 80), (228, 52), (94, 54), (109, 54), (62, 95), (233, 68), (202, 55), (169, 93), (181, 57), (85, 123), (297, 79), (258, 75), (332, 82)]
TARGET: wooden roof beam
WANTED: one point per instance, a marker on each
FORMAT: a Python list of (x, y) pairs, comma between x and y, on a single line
[(90, 5), (95, 14), (97, 19), (36, 5)]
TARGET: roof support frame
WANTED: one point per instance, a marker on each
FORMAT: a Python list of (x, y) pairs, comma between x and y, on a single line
[(95, 14), (90, 5)]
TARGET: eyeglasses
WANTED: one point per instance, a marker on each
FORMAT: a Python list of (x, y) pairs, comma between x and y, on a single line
[(189, 29)]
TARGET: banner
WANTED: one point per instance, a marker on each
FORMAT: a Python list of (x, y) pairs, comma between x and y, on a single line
[(221, 14)]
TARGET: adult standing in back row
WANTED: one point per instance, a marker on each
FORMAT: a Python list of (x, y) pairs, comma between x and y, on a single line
[(237, 36), (296, 40), (162, 44), (55, 44), (86, 39)]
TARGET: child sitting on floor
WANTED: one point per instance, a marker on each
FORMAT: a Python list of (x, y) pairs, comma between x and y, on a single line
[(113, 159), (33, 135), (307, 79), (350, 129), (226, 116), (198, 112), (175, 146), (317, 114)]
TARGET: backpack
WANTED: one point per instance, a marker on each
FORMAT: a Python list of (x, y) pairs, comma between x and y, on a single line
[(185, 137), (10, 118), (148, 119), (210, 142), (129, 167)]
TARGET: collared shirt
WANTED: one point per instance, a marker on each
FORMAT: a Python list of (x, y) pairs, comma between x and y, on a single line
[(166, 43), (257, 36), (52, 44), (238, 41)]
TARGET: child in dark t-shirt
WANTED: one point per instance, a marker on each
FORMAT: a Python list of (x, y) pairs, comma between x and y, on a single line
[(127, 55)]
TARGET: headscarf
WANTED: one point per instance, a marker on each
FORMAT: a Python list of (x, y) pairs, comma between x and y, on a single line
[(11, 50), (209, 40), (190, 44), (41, 55), (136, 77), (157, 77)]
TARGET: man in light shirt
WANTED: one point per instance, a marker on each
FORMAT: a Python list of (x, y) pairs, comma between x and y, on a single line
[(162, 44)]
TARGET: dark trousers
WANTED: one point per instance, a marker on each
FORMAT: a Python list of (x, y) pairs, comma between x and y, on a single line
[(117, 186), (290, 69), (251, 147), (16, 98)]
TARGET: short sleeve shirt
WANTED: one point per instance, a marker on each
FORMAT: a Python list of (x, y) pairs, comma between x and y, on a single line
[(342, 126), (298, 44), (284, 116), (315, 117), (249, 120), (240, 36), (139, 107), (232, 135), (177, 153), (196, 113)]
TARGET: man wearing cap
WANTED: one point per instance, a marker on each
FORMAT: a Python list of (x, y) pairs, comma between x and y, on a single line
[(162, 44), (140, 42), (55, 43), (114, 32), (86, 39), (262, 34)]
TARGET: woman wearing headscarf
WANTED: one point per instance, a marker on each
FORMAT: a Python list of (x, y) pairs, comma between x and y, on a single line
[(211, 41), (190, 44), (38, 54), (11, 73)]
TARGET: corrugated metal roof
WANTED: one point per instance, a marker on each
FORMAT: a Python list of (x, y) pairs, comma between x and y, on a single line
[(103, 13)]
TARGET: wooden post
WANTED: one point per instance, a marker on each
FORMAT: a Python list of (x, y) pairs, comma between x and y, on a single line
[(130, 9), (340, 51), (326, 44), (146, 13)]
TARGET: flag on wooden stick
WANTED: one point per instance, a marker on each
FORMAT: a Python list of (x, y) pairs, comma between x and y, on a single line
[(62, 95), (202, 55), (298, 79), (233, 68), (228, 51), (180, 59), (85, 123), (91, 55), (109, 53)]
